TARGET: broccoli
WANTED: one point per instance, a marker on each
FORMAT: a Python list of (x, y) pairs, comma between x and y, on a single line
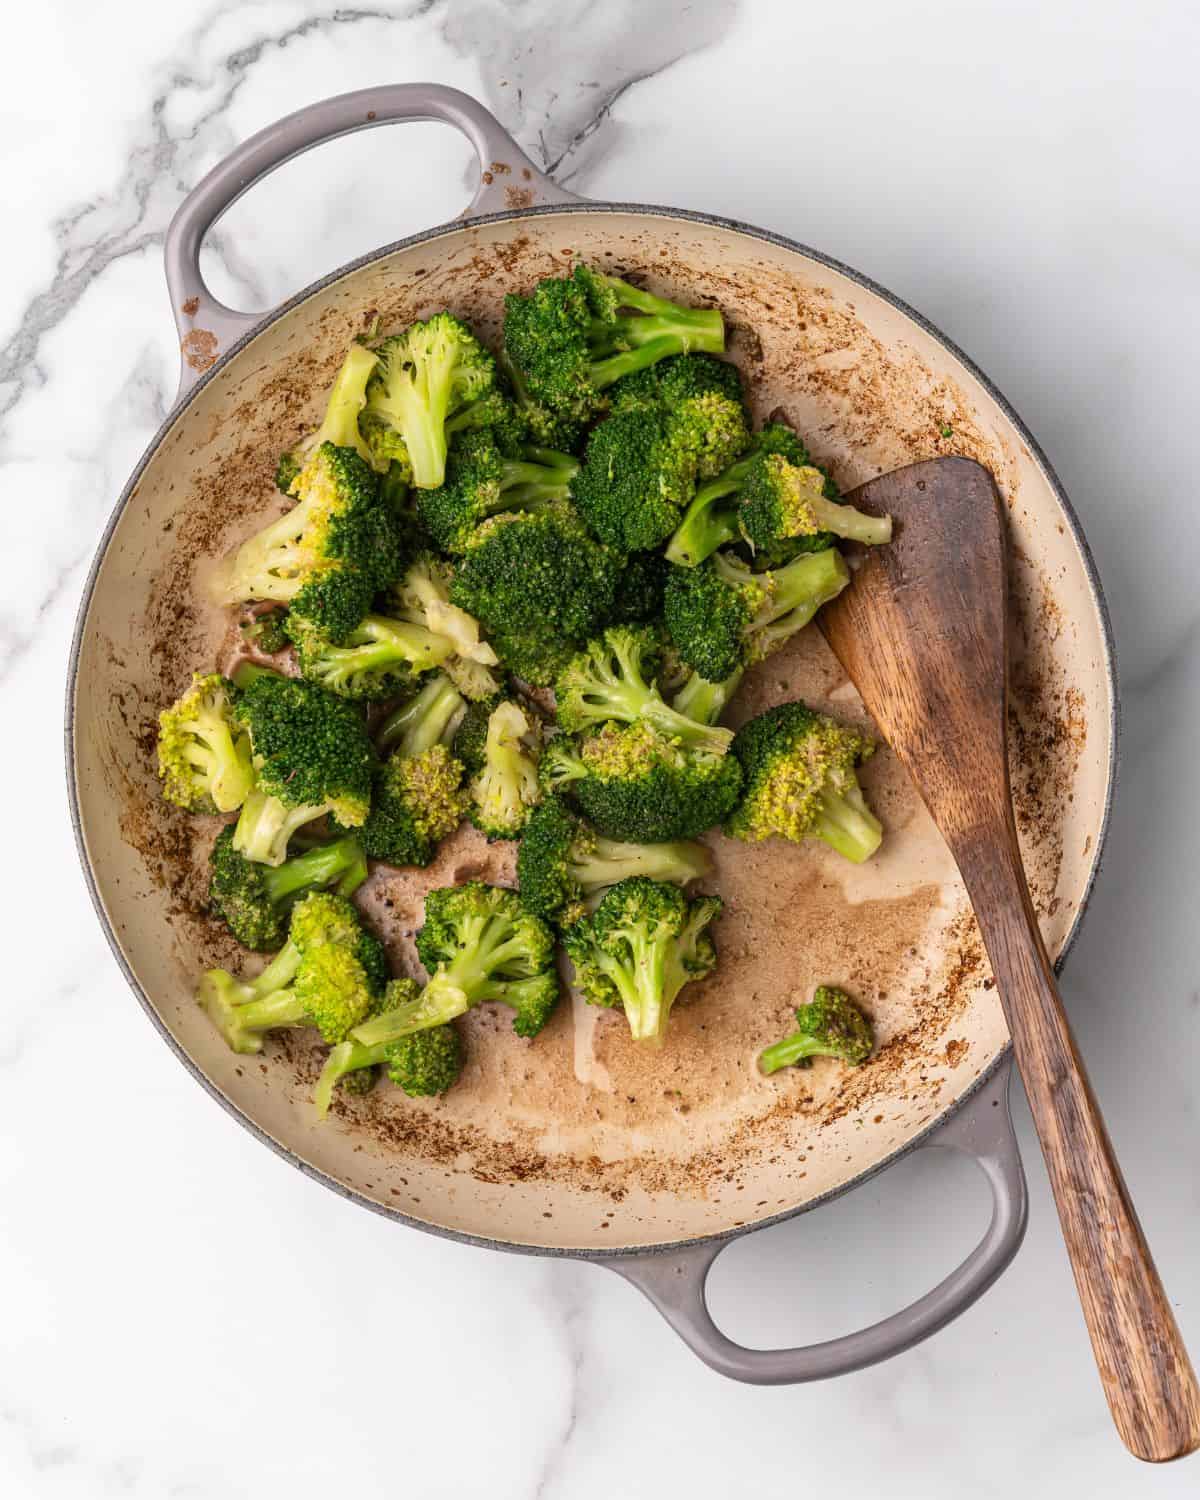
[(538, 584), (339, 426), (422, 597), (203, 752), (418, 790), (800, 782), (311, 757), (482, 481), (470, 738), (266, 632), (504, 781), (722, 615), (562, 861), (379, 658), (639, 948), (327, 556), (422, 1064), (637, 786), (425, 377), (781, 500), (557, 429), (255, 901), (637, 474), (638, 594), (712, 518), (569, 339), (830, 1026), (706, 701), (702, 397), (612, 678), (326, 975)]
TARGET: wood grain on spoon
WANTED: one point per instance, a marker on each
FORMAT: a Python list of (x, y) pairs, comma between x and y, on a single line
[(921, 631)]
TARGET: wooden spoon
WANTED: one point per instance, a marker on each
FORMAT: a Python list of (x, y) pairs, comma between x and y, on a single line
[(921, 632)]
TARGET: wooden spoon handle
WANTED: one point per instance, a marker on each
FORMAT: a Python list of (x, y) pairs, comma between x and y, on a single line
[(1144, 1367)]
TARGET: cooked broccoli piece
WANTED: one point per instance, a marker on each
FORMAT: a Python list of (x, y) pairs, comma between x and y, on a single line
[(555, 429), (781, 500), (311, 757), (379, 658), (346, 399), (425, 378), (712, 518), (327, 556), (701, 396), (635, 785), (538, 584), (639, 948), (266, 632), (422, 1064), (637, 474), (562, 861), (482, 481), (470, 738), (422, 597), (800, 782), (570, 340), (203, 752), (612, 678), (721, 615), (638, 595), (830, 1026), (325, 975), (419, 798), (706, 701), (505, 786), (255, 900)]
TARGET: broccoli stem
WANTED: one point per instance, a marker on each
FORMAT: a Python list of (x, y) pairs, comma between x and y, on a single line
[(847, 824), (279, 1009), (642, 301), (853, 525), (346, 399), (247, 672), (442, 999), (643, 990), (321, 866), (346, 1057), (605, 371), (608, 861), (676, 726), (424, 721), (707, 524), (241, 1012), (790, 1050), (272, 563), (706, 701), (266, 826)]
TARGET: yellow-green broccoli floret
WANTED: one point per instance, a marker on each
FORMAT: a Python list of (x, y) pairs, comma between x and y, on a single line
[(203, 752), (255, 900), (782, 499), (422, 597), (831, 1025), (505, 786), (379, 658)]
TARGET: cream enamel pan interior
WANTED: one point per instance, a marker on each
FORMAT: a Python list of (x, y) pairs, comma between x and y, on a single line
[(576, 1140)]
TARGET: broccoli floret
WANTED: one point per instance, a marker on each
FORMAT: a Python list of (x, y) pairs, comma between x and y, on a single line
[(379, 658), (781, 500), (706, 701), (423, 1063), (266, 632), (639, 948), (830, 1026), (702, 398), (538, 584), (419, 798), (339, 426), (311, 757), (721, 615), (506, 784), (422, 597), (800, 782), (538, 423), (562, 861), (470, 739), (203, 752), (612, 678), (425, 378), (482, 481), (638, 595), (637, 786), (327, 556), (325, 975), (255, 900), (570, 339), (637, 474)]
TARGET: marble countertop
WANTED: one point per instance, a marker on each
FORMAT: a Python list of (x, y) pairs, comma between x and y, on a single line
[(183, 1315)]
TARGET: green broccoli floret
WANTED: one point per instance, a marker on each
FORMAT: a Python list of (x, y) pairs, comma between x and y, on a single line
[(612, 678), (781, 500), (639, 948), (706, 701), (505, 786), (570, 339), (311, 757), (379, 658), (422, 597), (800, 782), (538, 584), (327, 556), (638, 595), (423, 1064), (830, 1026), (562, 861), (637, 786), (346, 399), (419, 798), (638, 472), (712, 518), (255, 900), (557, 429), (425, 378), (266, 632), (325, 975), (702, 397), (203, 752), (482, 481), (721, 615)]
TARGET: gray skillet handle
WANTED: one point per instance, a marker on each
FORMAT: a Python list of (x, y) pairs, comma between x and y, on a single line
[(675, 1282), (507, 180)]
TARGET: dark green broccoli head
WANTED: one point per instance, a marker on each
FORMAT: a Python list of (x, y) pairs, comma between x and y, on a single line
[(419, 801), (638, 594), (700, 397), (636, 785), (380, 658), (426, 1063), (254, 900), (204, 756), (266, 632), (674, 381), (831, 1025), (309, 747), (482, 480), (800, 780), (638, 472)]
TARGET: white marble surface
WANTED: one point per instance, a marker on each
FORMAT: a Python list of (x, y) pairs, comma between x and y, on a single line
[(182, 1315)]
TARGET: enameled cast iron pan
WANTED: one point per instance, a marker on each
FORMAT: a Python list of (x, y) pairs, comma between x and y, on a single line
[(576, 1143)]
